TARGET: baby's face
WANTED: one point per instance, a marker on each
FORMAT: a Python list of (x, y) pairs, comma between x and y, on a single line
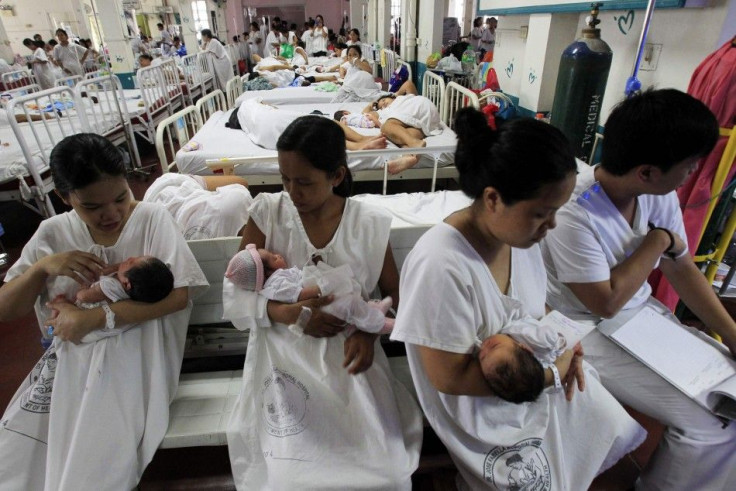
[(495, 350), (129, 264), (272, 261)]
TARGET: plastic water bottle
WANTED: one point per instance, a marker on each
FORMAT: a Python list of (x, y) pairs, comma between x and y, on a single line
[(468, 60)]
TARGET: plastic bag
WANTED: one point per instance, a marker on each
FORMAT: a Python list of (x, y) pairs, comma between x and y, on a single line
[(287, 50), (450, 63), (433, 59)]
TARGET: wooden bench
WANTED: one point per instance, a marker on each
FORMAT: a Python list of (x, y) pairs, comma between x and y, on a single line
[(201, 408)]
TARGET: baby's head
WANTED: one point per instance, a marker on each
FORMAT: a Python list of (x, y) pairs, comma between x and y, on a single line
[(511, 370), (146, 279), (340, 114), (249, 268)]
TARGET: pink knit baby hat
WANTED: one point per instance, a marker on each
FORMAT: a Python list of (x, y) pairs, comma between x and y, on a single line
[(245, 269)]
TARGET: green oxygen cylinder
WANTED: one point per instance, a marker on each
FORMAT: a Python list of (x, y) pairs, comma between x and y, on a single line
[(581, 83)]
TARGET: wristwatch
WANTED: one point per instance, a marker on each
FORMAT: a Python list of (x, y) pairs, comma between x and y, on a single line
[(110, 317), (556, 375)]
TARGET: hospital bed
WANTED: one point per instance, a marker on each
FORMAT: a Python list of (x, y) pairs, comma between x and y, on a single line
[(162, 95), (196, 81), (221, 147), (26, 156), (94, 106), (17, 79)]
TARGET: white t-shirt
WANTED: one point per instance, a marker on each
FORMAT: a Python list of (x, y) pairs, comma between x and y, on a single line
[(272, 39), (592, 237)]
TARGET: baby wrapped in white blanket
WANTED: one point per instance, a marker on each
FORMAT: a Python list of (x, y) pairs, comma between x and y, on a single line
[(262, 271)]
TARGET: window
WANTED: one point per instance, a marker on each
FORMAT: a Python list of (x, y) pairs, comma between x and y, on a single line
[(201, 21), (395, 24)]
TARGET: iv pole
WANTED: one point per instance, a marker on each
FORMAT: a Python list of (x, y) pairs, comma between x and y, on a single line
[(633, 84)]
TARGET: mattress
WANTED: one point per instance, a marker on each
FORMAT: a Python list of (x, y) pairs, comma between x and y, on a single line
[(218, 142), (288, 95)]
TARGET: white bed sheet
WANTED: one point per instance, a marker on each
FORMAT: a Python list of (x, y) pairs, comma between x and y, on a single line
[(413, 209), (12, 161), (217, 142), (288, 95)]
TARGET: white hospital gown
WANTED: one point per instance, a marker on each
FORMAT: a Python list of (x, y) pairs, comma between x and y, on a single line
[(70, 57), (415, 111), (301, 420), (199, 213), (562, 444), (43, 71), (109, 408), (221, 63)]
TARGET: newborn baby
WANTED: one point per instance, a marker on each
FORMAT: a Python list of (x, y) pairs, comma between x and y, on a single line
[(513, 361), (143, 278), (267, 273), (360, 120)]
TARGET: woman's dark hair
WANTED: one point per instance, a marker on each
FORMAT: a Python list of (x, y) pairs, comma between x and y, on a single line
[(61, 31), (52, 42), (27, 42), (355, 47), (255, 25), (82, 159), (39, 44), (355, 31), (387, 96), (236, 39), (206, 32), (517, 159), (145, 56), (150, 281), (478, 21), (308, 135), (657, 127)]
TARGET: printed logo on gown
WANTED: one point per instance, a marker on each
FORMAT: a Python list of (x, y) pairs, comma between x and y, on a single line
[(38, 398), (284, 406), (520, 467)]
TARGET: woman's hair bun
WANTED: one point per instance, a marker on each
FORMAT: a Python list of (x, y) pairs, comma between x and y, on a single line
[(471, 125), (474, 138)]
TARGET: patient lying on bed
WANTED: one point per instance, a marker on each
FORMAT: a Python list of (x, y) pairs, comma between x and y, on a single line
[(144, 279), (357, 120), (268, 274), (264, 123), (513, 361), (406, 120)]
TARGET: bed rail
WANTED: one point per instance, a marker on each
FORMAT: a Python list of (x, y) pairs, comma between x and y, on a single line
[(227, 165), (433, 88), (208, 72), (234, 89), (174, 132), (38, 138), (194, 77), (173, 78), (69, 81), (101, 106), (18, 79), (210, 104), (457, 97)]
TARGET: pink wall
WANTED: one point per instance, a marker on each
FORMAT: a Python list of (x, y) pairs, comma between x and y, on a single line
[(331, 10)]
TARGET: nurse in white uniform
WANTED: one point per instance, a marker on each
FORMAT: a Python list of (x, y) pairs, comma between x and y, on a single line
[(477, 272), (91, 414), (318, 409), (221, 62)]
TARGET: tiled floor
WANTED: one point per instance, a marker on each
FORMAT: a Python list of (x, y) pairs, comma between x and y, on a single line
[(208, 468)]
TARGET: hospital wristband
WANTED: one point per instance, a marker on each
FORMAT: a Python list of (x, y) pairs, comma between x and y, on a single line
[(109, 316), (556, 376)]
